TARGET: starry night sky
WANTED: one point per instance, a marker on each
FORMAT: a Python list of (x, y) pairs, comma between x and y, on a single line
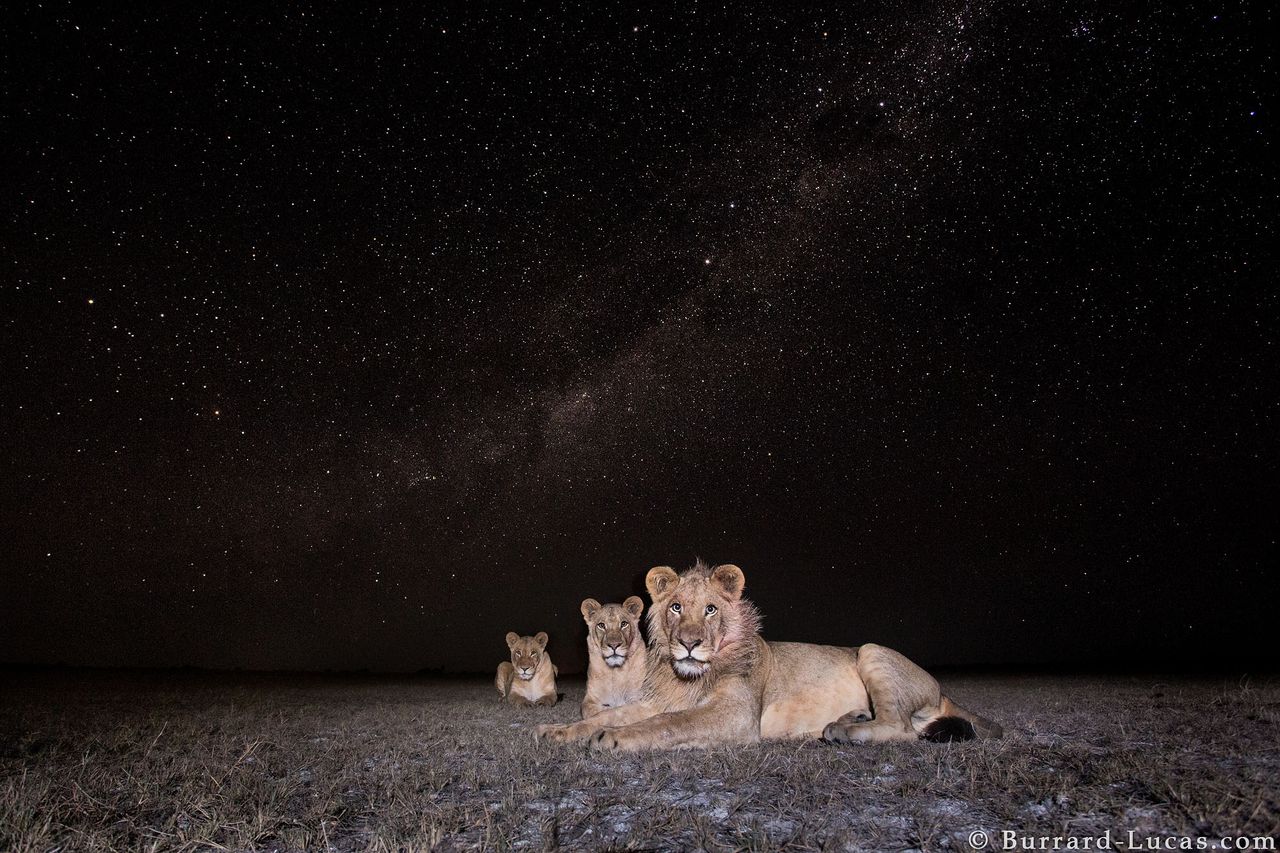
[(342, 339)]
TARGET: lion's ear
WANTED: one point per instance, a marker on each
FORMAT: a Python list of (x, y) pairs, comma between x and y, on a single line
[(512, 639), (730, 580), (589, 609), (634, 605), (660, 581), (541, 639)]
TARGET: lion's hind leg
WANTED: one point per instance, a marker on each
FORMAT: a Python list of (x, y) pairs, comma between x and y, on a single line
[(855, 728), (898, 691)]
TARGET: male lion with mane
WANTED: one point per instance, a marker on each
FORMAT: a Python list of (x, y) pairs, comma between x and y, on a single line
[(713, 680)]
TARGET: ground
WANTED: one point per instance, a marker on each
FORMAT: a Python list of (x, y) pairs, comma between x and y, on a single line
[(190, 761)]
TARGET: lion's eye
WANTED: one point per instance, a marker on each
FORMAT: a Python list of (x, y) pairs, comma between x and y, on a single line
[(675, 607), (600, 625), (625, 625), (711, 609)]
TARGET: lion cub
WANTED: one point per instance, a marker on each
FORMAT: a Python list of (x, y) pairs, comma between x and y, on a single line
[(529, 678), (616, 654)]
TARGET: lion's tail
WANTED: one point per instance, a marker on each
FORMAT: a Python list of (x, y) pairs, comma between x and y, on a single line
[(954, 719)]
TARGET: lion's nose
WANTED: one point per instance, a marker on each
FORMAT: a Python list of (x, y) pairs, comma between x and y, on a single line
[(690, 646), (613, 647)]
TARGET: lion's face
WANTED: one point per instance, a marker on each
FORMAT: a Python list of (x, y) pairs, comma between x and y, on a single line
[(693, 615), (614, 627), (527, 653)]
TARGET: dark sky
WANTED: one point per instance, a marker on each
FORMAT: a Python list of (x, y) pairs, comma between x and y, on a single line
[(352, 338)]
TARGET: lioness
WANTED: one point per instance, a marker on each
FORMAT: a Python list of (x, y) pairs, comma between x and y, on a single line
[(712, 680), (616, 654), (529, 678)]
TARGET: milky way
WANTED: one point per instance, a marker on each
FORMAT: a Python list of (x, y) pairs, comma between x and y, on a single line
[(356, 341)]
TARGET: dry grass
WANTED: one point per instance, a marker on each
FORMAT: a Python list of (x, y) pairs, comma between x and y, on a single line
[(98, 761)]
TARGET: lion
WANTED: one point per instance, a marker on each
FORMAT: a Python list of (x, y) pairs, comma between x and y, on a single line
[(616, 654), (712, 679), (529, 678)]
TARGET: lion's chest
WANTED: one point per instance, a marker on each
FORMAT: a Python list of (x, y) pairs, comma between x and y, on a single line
[(613, 687), (539, 687), (616, 692)]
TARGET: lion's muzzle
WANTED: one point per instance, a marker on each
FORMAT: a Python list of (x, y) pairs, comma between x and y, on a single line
[(690, 660), (614, 654)]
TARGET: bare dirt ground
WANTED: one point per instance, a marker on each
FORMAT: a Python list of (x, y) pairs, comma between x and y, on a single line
[(188, 761)]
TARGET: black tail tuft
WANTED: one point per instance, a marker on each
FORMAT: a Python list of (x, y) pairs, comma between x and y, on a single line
[(945, 729)]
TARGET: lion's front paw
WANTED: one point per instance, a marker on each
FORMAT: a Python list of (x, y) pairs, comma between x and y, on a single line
[(619, 740), (567, 733), (605, 740)]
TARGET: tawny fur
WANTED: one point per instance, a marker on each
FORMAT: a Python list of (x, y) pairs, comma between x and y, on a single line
[(529, 678), (713, 680), (613, 633), (737, 645)]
